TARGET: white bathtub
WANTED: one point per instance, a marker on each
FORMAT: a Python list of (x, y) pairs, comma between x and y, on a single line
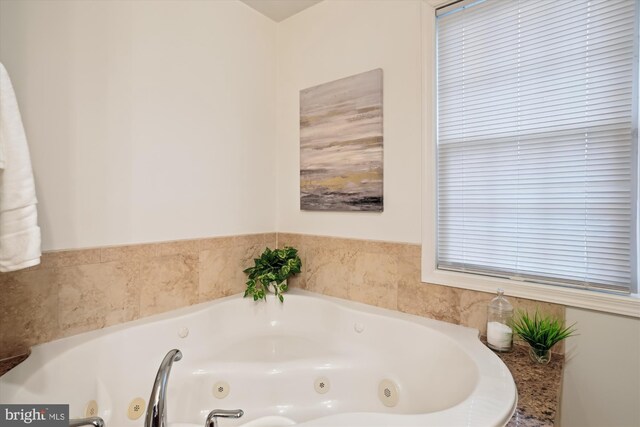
[(272, 355)]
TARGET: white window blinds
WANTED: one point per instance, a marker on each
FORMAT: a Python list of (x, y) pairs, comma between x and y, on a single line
[(537, 140)]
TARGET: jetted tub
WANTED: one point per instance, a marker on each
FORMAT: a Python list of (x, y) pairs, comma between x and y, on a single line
[(312, 361)]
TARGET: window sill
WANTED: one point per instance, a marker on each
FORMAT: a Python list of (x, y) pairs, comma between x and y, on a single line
[(626, 305)]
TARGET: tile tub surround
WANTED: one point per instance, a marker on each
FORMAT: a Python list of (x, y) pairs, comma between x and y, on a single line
[(81, 290), (388, 275)]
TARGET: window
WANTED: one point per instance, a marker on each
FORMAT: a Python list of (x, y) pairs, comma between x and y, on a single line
[(537, 141)]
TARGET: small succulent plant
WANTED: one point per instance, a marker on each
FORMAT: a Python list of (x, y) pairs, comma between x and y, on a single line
[(540, 332)]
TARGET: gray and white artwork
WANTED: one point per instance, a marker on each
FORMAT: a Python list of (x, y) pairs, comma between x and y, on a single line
[(341, 144)]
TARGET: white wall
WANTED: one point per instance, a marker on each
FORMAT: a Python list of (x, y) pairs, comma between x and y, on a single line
[(602, 372), (336, 39), (146, 120)]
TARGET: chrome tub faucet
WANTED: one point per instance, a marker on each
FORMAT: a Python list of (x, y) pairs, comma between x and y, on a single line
[(157, 410)]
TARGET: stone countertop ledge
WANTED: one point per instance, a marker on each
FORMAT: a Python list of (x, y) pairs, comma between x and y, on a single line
[(539, 386)]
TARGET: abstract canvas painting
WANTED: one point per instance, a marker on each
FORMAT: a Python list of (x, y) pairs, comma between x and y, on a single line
[(341, 144)]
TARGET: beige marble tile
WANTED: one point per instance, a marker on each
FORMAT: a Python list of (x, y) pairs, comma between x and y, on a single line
[(298, 281), (428, 300), (178, 247), (28, 310), (328, 270), (473, 309), (544, 308), (214, 242), (374, 279), (378, 247), (96, 295), (271, 240), (288, 239), (68, 258), (261, 239), (130, 252), (365, 271), (265, 239), (326, 262), (167, 283), (74, 291), (104, 286), (409, 263), (313, 241), (221, 268), (134, 291)]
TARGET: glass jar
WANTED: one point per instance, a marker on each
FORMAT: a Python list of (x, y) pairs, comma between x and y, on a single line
[(499, 315)]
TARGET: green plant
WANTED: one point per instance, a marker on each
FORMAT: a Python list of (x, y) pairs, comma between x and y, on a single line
[(272, 269), (540, 332)]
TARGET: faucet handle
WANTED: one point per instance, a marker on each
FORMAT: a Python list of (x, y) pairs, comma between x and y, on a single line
[(91, 421), (212, 418)]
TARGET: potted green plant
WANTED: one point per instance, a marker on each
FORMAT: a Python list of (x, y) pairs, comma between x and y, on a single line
[(271, 271), (541, 333)]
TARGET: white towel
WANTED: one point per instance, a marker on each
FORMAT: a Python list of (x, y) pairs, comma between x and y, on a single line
[(19, 231)]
